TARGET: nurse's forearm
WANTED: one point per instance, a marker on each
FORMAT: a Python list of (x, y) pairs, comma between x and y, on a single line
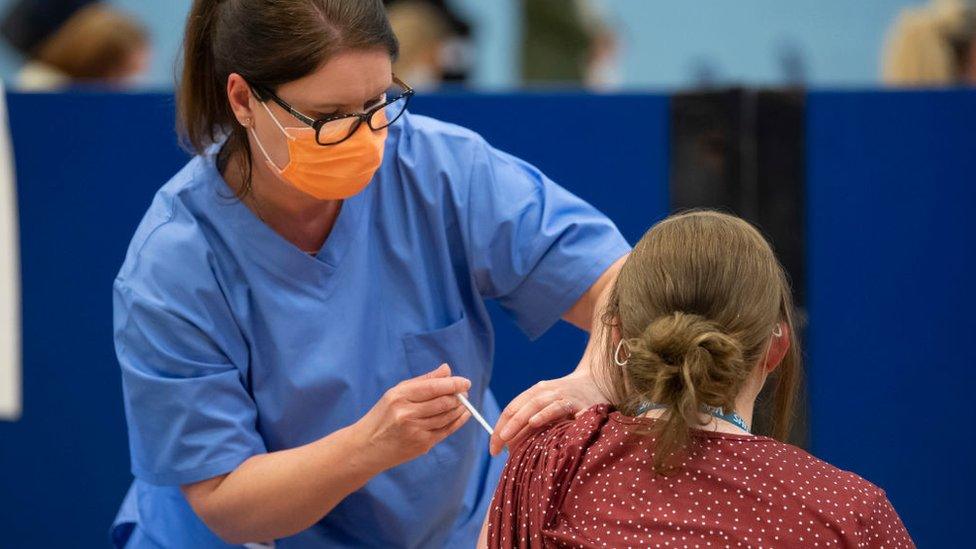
[(279, 494), (591, 307)]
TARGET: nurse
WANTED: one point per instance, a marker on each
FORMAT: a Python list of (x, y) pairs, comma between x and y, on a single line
[(303, 300)]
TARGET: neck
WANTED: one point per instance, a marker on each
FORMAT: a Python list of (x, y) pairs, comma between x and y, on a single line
[(744, 404), (708, 422), (300, 218)]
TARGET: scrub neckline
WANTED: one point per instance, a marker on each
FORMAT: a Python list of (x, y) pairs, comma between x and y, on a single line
[(270, 248)]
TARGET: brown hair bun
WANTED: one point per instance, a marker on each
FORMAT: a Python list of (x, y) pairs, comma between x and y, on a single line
[(688, 361)]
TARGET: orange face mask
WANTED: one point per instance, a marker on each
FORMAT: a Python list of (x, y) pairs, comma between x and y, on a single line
[(335, 172)]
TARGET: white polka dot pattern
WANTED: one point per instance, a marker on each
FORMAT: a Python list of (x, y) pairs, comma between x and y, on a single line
[(590, 483)]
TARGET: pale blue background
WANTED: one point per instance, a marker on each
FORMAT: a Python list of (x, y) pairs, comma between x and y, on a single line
[(665, 41)]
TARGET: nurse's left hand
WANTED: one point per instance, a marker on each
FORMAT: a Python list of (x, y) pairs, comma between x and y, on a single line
[(543, 403)]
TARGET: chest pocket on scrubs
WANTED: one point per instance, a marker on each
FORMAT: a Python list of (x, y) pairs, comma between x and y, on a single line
[(466, 350)]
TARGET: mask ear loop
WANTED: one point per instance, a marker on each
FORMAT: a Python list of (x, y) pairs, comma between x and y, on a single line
[(616, 355), (277, 123), (267, 157)]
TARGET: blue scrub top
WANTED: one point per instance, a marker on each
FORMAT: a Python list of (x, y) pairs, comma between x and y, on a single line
[(233, 342)]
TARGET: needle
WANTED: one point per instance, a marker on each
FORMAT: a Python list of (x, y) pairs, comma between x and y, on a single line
[(475, 413)]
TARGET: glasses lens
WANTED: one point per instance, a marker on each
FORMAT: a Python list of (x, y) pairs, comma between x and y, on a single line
[(389, 114), (335, 131)]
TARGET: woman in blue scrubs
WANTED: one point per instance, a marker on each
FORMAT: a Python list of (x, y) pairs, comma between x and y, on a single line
[(302, 301)]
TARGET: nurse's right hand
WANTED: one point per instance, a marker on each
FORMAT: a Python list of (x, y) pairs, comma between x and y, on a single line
[(414, 416)]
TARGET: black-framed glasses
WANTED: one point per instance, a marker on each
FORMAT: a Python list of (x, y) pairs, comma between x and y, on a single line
[(335, 129)]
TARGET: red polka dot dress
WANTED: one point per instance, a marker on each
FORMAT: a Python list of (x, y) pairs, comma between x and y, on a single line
[(590, 482)]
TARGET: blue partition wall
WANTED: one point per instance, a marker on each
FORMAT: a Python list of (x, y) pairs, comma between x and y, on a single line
[(87, 167), (892, 267), (891, 258)]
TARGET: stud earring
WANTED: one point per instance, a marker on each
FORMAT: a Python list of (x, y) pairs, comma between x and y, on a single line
[(778, 331)]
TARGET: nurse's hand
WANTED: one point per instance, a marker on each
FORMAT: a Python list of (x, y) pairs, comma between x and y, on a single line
[(414, 416), (543, 403), (548, 401)]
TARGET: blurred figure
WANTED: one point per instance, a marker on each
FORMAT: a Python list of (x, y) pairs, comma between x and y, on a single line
[(792, 63), (568, 42), (435, 43), (705, 73), (423, 33), (76, 42), (933, 45)]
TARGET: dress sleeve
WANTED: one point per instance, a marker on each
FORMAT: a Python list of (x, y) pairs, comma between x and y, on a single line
[(535, 479), (189, 414), (884, 528), (534, 246)]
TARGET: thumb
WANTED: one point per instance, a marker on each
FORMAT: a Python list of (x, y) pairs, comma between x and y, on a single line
[(441, 371)]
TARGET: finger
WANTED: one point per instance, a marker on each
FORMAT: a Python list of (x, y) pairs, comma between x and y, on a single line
[(522, 416), (435, 423), (518, 421), (401, 388), (422, 390), (497, 443), (556, 410), (520, 436), (444, 432), (435, 407), (444, 370)]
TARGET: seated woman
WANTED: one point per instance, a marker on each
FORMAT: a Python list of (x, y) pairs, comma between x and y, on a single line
[(699, 318)]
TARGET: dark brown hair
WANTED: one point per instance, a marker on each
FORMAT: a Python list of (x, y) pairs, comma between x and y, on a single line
[(94, 44), (269, 43), (696, 303)]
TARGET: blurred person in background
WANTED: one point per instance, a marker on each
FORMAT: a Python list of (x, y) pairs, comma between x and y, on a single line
[(933, 45), (69, 42), (568, 43), (435, 42), (423, 33)]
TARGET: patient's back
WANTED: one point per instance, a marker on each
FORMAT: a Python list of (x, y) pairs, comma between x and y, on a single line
[(590, 483)]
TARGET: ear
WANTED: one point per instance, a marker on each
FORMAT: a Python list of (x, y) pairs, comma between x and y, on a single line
[(778, 346), (239, 95)]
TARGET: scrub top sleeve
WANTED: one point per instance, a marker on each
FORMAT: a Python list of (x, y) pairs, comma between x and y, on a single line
[(190, 416), (534, 246)]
